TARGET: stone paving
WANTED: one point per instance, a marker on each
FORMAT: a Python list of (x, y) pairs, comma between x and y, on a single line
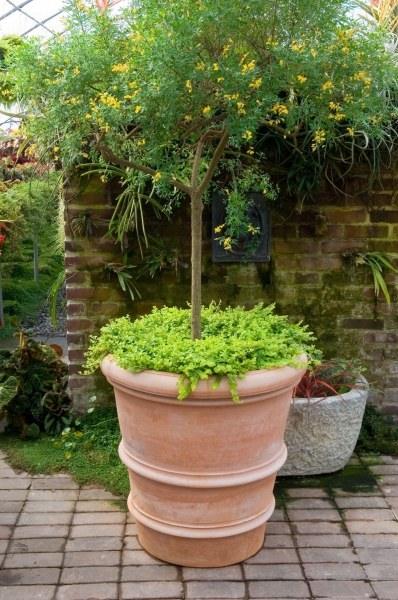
[(335, 539)]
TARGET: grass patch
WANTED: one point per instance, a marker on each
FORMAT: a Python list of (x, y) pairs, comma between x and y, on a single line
[(378, 433), (93, 456)]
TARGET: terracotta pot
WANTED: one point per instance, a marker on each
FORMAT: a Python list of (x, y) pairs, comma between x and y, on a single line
[(202, 470)]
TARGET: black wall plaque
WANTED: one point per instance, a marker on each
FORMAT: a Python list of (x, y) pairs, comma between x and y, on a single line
[(259, 216)]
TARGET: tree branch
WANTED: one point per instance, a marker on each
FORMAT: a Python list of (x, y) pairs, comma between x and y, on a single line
[(109, 156), (132, 133), (204, 124), (214, 162)]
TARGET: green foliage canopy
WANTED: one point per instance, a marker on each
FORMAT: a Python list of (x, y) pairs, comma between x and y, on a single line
[(149, 81)]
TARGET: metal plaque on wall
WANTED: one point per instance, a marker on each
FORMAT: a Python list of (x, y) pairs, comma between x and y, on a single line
[(259, 217)]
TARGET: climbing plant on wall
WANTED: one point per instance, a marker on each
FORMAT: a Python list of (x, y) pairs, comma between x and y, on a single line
[(177, 92)]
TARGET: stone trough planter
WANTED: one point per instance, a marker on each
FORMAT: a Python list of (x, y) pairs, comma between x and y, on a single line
[(321, 436)]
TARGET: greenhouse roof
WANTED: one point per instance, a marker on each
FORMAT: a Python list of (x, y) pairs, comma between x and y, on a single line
[(36, 17), (41, 18)]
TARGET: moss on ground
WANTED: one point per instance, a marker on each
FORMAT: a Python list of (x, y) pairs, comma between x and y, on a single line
[(93, 458)]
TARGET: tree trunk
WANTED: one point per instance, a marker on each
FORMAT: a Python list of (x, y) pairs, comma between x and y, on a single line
[(36, 259), (196, 260), (1, 301)]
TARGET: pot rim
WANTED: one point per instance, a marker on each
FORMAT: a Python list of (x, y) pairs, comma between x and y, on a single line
[(160, 386), (346, 396)]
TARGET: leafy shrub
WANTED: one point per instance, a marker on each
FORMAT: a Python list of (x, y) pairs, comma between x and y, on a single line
[(233, 342), (33, 383), (378, 433), (330, 379)]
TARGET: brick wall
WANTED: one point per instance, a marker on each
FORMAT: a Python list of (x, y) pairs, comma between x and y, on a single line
[(305, 279)]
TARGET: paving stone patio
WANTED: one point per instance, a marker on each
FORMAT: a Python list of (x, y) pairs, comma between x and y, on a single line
[(332, 537)]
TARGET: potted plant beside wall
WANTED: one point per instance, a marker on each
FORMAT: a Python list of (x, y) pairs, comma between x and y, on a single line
[(325, 418), (176, 105)]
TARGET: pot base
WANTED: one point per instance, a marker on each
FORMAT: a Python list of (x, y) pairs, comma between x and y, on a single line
[(201, 552)]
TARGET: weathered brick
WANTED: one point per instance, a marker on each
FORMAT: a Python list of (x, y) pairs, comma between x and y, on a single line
[(89, 574), (76, 278), (150, 573), (92, 559), (341, 589), (338, 246), (24, 560), (273, 556), (32, 546), (213, 589), (335, 571), (363, 324), (99, 591), (297, 247), (79, 324), (75, 309), (328, 555), (366, 231), (29, 576), (278, 589), (153, 590), (32, 592), (94, 544), (346, 216)]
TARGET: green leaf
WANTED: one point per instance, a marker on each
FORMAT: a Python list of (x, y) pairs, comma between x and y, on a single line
[(57, 445), (68, 455), (8, 390), (90, 410)]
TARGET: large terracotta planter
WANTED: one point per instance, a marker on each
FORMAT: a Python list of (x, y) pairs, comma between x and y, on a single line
[(202, 470)]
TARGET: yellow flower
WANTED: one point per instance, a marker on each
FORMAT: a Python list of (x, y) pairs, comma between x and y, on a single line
[(248, 135), (256, 83), (156, 177), (301, 78), (76, 71), (103, 178), (200, 66), (56, 149), (327, 86), (188, 85), (351, 131), (215, 66), (206, 110), (248, 67), (313, 52), (122, 68), (227, 243), (138, 109), (88, 116), (280, 109), (251, 150), (281, 62), (188, 118), (219, 228), (241, 110)]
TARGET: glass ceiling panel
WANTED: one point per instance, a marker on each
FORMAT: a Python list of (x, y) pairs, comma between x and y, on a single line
[(33, 17)]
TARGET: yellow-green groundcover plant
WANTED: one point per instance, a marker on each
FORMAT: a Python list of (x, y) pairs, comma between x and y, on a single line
[(234, 341), (171, 94)]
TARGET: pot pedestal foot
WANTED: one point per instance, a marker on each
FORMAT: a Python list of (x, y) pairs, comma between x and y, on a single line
[(201, 552)]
